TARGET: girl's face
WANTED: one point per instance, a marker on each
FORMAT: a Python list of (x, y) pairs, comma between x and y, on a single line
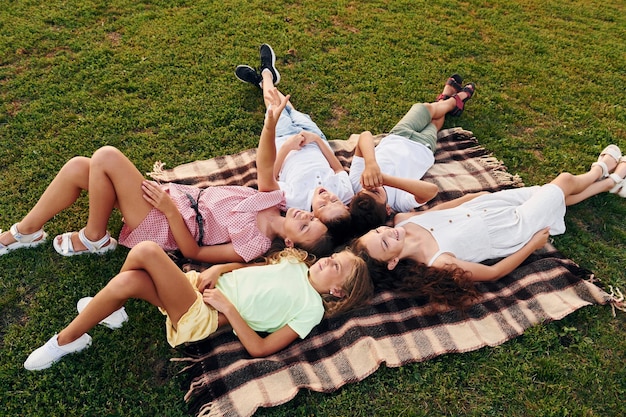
[(327, 206), (301, 227), (384, 243), (328, 275)]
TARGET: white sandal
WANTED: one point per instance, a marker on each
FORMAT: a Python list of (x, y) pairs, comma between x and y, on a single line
[(65, 247), (620, 183), (23, 241), (614, 152)]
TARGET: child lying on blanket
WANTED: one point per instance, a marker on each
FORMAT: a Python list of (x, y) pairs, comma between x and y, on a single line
[(306, 168), (291, 301), (510, 224), (386, 178), (314, 179), (214, 224)]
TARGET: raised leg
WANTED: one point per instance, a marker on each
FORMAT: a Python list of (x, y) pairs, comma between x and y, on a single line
[(62, 192), (114, 181)]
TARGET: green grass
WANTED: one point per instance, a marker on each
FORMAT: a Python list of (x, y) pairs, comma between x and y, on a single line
[(155, 78)]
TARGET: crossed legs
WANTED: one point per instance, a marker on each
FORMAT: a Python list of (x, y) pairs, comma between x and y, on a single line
[(147, 274), (577, 188)]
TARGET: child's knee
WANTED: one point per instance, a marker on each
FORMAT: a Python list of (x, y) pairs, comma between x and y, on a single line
[(145, 251)]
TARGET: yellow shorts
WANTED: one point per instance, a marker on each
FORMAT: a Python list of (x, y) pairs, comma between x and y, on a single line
[(196, 324)]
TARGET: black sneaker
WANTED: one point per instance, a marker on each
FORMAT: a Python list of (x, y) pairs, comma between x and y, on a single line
[(247, 74), (268, 60)]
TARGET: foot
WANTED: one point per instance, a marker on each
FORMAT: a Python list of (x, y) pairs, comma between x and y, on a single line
[(50, 353), (452, 87), (247, 74), (6, 238), (14, 239), (268, 62), (619, 177), (608, 159), (461, 98), (77, 243)]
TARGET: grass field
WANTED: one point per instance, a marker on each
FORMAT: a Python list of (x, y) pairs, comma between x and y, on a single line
[(155, 79)]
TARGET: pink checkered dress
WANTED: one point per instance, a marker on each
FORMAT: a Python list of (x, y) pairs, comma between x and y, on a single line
[(228, 213)]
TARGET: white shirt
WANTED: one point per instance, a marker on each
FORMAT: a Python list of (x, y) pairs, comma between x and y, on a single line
[(305, 170), (400, 157)]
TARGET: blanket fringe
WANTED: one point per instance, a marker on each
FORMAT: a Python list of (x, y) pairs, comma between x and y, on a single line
[(616, 300), (498, 170), (157, 169), (206, 411)]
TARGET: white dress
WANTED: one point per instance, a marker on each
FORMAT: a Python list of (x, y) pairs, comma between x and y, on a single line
[(494, 225)]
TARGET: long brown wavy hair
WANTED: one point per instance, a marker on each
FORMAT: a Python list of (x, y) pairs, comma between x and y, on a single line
[(452, 286)]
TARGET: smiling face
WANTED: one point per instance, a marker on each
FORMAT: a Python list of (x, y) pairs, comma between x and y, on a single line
[(302, 228), (327, 206), (384, 243), (330, 274)]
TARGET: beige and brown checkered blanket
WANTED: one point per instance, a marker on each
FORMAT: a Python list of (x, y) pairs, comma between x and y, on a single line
[(226, 381)]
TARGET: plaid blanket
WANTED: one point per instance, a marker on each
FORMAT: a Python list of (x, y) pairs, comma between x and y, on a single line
[(226, 381)]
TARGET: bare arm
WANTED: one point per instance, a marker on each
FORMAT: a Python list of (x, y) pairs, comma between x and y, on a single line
[(294, 143), (371, 176), (256, 345), (209, 277), (494, 272), (423, 191), (266, 152), (328, 153), (184, 239)]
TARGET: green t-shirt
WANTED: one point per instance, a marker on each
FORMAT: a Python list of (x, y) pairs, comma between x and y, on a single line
[(269, 297)]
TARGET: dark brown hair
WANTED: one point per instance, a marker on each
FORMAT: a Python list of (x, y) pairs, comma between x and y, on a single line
[(367, 213), (452, 286)]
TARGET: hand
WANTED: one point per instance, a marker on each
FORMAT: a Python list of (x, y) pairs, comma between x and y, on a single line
[(275, 107), (209, 277), (371, 177), (540, 238), (295, 142), (216, 299), (310, 137), (159, 199)]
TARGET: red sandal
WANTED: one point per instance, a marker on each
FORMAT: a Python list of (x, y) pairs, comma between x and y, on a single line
[(455, 82), (460, 103)]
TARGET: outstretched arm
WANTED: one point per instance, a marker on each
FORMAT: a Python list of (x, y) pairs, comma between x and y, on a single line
[(266, 152), (494, 272), (423, 191), (256, 345)]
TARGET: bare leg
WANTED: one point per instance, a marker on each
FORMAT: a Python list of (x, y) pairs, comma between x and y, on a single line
[(62, 192), (583, 186), (267, 85), (147, 274), (597, 187), (439, 109), (114, 181)]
